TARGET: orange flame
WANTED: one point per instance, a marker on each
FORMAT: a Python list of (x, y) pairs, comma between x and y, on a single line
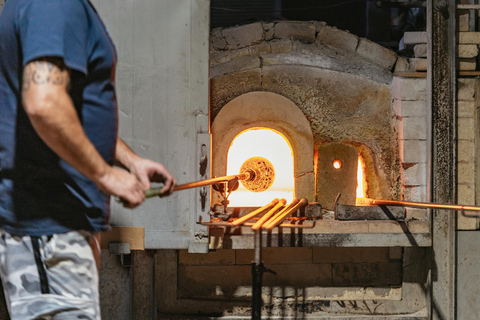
[(360, 179), (271, 145)]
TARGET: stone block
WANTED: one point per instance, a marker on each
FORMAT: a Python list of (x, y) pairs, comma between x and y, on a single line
[(395, 253), (420, 50), (466, 194), (260, 49), (217, 41), (295, 30), (466, 128), (414, 151), (342, 255), (410, 89), (348, 227), (243, 36), (466, 172), (276, 256), (467, 50), (367, 274), (219, 257), (385, 227), (415, 194), (415, 37), (416, 214), (463, 20), (415, 175), (466, 150), (418, 226), (466, 89), (324, 226), (418, 64), (313, 210), (467, 64), (337, 38), (415, 128), (402, 64), (463, 51), (236, 66), (331, 180), (299, 275), (215, 238), (466, 109), (319, 24), (223, 87), (376, 53), (397, 108), (413, 108), (281, 46), (468, 37), (227, 56), (466, 223), (268, 29)]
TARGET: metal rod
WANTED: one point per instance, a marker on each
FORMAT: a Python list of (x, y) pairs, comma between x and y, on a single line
[(254, 213), (287, 207), (257, 274), (267, 215), (290, 205), (418, 204), (279, 219), (292, 225), (152, 192)]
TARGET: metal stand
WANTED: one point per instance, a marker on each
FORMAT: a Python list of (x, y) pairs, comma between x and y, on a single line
[(276, 221), (257, 274)]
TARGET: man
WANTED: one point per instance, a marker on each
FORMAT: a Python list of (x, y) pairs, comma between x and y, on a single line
[(58, 144)]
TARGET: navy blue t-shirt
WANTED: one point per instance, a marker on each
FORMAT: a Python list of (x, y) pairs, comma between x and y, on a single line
[(40, 194)]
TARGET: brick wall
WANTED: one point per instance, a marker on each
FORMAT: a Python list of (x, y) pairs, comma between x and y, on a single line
[(467, 133), (336, 272), (410, 115), (410, 112)]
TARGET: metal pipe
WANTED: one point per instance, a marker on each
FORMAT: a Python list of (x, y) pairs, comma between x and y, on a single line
[(254, 213), (257, 274), (258, 225), (290, 205), (267, 215), (279, 219), (418, 204), (152, 192)]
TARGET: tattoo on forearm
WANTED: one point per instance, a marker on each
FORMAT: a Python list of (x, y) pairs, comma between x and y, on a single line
[(42, 72)]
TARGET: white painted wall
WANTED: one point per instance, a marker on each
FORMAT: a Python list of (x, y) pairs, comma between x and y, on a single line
[(162, 87)]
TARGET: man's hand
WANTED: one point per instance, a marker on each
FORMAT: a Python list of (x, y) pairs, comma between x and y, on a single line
[(145, 170), (148, 171), (124, 185)]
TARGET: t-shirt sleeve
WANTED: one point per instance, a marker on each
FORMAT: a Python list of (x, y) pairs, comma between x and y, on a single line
[(55, 28)]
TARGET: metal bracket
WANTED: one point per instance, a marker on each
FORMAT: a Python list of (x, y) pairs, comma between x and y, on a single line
[(123, 251)]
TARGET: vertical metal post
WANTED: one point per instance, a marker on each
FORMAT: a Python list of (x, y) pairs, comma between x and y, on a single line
[(441, 91), (257, 273)]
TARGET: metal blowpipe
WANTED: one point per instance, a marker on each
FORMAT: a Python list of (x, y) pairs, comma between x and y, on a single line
[(249, 175), (257, 171)]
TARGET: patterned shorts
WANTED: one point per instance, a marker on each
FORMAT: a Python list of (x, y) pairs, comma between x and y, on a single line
[(49, 277)]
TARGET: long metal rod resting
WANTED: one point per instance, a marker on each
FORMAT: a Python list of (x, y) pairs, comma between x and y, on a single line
[(254, 213), (267, 215), (418, 204), (276, 221)]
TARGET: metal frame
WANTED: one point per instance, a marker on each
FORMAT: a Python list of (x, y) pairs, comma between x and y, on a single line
[(441, 96)]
